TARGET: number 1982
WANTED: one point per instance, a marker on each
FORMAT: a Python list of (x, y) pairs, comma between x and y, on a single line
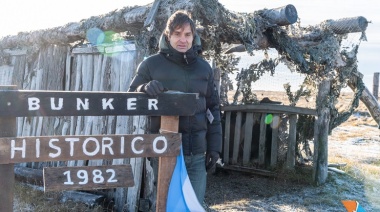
[(96, 175)]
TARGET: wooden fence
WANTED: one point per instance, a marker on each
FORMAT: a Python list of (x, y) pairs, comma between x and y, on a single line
[(62, 148), (251, 135)]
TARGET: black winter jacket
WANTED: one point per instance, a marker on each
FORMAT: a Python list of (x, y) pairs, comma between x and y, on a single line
[(185, 72)]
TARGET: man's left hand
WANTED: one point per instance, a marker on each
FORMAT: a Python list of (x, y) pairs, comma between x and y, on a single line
[(211, 159)]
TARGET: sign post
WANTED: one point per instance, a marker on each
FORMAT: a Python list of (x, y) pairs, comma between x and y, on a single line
[(166, 145), (7, 175), (166, 165)]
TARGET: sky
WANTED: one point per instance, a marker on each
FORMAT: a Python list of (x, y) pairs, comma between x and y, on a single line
[(29, 15)]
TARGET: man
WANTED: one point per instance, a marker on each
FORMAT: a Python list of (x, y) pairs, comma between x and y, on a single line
[(178, 67)]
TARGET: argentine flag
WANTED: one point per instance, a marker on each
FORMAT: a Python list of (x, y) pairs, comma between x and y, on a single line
[(181, 196)]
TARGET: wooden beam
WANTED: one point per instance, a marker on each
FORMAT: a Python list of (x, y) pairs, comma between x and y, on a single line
[(7, 176), (367, 98), (245, 169), (169, 124), (269, 108), (80, 103), (348, 25), (61, 148)]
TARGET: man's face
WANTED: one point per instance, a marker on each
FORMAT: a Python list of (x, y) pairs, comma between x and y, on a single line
[(182, 38)]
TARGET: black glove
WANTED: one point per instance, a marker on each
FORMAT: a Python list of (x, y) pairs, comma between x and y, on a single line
[(211, 159), (153, 88)]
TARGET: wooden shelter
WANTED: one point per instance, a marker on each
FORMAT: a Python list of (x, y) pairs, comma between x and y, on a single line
[(68, 58)]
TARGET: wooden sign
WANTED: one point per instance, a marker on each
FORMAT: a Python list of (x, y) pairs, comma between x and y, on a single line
[(87, 177), (15, 103), (61, 148)]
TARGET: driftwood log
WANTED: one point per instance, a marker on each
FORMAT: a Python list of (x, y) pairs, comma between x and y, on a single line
[(34, 177)]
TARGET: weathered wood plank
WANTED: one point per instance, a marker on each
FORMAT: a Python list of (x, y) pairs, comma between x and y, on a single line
[(291, 154), (227, 131), (108, 49), (7, 176), (248, 138), (55, 148), (61, 103), (236, 147), (274, 147), (133, 194), (87, 177), (269, 108), (262, 139)]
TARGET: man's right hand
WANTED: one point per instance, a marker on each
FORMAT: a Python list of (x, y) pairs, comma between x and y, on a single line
[(153, 88)]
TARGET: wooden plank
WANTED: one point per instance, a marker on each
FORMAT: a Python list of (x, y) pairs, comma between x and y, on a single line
[(169, 124), (235, 152), (108, 49), (248, 138), (76, 103), (291, 155), (87, 177), (227, 131), (269, 108), (262, 139), (133, 194), (251, 170), (15, 52), (55, 148), (274, 147), (7, 176)]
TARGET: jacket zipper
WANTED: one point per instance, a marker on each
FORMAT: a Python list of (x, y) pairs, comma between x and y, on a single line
[(184, 56)]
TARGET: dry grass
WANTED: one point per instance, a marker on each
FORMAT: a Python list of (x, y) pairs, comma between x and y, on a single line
[(29, 199)]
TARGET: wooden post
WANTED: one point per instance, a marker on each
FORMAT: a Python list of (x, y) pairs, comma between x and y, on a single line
[(367, 98), (274, 148), (375, 88), (169, 124), (236, 146), (321, 132), (247, 138), (262, 139), (7, 175), (226, 147), (291, 155)]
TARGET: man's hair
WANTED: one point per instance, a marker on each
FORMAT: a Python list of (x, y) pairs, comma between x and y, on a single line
[(178, 20)]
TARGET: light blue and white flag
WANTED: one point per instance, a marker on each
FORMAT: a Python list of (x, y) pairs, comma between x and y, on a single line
[(181, 195)]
